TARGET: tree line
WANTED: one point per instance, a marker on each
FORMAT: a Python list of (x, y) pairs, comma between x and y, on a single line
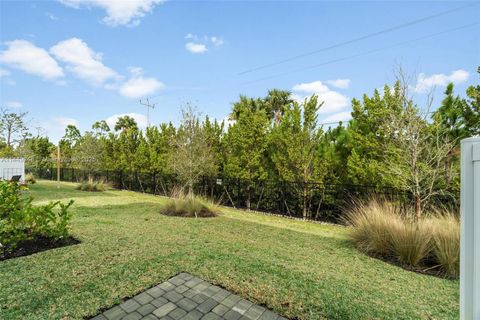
[(391, 141)]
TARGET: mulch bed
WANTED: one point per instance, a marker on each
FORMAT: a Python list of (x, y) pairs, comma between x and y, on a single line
[(39, 244), (428, 267)]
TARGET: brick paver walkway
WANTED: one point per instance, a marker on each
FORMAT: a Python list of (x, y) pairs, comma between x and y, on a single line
[(185, 297)]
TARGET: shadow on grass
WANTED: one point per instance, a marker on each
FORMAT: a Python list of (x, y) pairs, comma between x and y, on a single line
[(40, 244)]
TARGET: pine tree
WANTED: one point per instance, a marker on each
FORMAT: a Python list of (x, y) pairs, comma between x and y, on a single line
[(246, 144), (295, 148)]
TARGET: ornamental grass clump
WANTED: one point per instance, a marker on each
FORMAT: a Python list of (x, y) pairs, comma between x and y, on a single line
[(94, 185), (411, 241), (372, 224), (189, 205), (30, 178), (446, 242), (430, 243)]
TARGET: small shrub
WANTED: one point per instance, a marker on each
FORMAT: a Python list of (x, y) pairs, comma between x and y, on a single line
[(189, 206), (411, 241), (21, 221), (94, 186), (30, 179), (446, 242)]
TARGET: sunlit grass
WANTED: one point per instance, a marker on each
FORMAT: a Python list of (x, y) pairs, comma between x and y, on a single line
[(298, 269)]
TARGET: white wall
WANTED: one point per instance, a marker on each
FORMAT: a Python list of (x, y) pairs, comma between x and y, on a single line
[(10, 167)]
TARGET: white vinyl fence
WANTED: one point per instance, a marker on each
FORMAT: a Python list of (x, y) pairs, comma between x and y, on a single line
[(470, 230), (10, 167)]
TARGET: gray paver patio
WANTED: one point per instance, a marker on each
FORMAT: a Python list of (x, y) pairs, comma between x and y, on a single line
[(185, 297)]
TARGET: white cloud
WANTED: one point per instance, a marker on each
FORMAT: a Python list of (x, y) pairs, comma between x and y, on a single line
[(199, 44), (13, 104), (216, 41), (139, 86), (191, 36), (424, 83), (24, 55), (55, 127), (83, 61), (135, 70), (333, 101), (340, 116), (139, 118), (119, 12), (51, 16), (228, 122), (311, 87), (196, 47), (4, 73), (340, 83), (64, 122)]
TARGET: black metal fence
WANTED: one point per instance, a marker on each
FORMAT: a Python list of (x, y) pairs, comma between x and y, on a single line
[(307, 200)]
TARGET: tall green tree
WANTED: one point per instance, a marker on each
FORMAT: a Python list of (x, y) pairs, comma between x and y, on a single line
[(13, 127), (246, 144), (214, 134), (193, 156), (371, 141), (67, 144), (335, 149), (295, 145), (126, 123), (37, 152), (471, 113)]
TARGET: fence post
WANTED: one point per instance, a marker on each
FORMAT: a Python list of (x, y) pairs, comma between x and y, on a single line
[(470, 230)]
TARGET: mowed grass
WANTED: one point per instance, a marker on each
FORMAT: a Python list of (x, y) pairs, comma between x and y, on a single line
[(298, 269)]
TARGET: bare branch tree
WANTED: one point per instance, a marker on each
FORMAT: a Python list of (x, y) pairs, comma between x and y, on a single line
[(193, 156), (420, 147)]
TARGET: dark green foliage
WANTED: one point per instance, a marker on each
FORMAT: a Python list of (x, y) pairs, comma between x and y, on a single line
[(21, 221), (276, 137), (36, 151)]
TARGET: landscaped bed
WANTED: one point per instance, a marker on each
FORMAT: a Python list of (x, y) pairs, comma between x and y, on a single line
[(298, 269)]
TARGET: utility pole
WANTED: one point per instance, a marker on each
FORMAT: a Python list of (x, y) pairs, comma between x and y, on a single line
[(148, 105), (58, 165)]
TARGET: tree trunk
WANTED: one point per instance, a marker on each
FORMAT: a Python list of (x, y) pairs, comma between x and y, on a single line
[(9, 137), (304, 210), (418, 206), (248, 196)]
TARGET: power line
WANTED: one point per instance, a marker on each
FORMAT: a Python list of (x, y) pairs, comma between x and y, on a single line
[(360, 54), (370, 35)]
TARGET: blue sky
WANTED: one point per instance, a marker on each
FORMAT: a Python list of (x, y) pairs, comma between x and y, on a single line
[(79, 61)]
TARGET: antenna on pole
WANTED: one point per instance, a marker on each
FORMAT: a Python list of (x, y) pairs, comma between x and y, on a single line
[(148, 105)]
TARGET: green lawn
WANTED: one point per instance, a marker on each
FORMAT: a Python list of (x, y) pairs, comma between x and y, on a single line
[(298, 269)]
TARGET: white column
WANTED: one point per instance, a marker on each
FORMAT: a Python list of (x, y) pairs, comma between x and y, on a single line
[(470, 230)]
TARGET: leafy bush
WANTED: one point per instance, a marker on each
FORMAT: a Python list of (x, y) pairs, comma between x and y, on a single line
[(94, 186), (189, 206), (380, 229), (30, 179), (21, 221)]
